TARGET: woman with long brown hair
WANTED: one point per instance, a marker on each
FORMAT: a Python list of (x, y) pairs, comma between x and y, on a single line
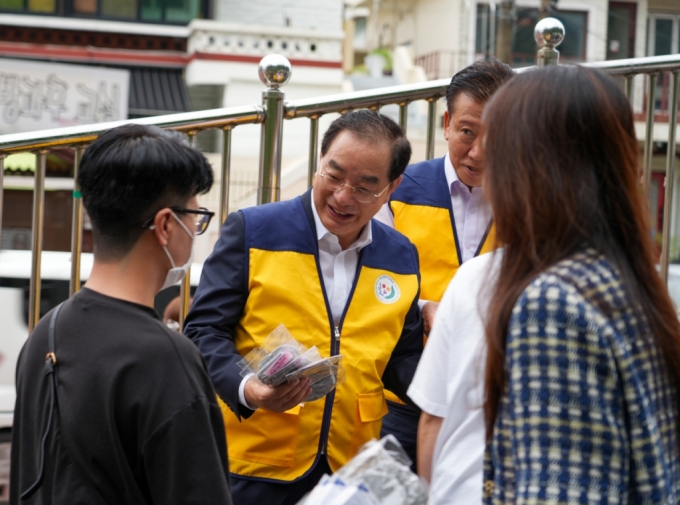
[(583, 363)]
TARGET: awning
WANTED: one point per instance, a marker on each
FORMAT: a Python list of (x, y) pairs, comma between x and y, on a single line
[(156, 91), (20, 162), (59, 162)]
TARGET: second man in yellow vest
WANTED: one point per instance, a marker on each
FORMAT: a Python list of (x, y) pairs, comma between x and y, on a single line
[(440, 207)]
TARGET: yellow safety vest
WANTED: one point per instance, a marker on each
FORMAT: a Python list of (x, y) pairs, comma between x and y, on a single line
[(284, 286), (422, 211)]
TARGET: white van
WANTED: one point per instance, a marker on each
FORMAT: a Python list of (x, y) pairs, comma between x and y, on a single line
[(15, 275)]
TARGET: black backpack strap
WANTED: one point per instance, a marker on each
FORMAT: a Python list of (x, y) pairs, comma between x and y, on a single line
[(49, 372)]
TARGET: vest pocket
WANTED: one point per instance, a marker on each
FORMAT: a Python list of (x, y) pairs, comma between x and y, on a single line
[(371, 408), (269, 438)]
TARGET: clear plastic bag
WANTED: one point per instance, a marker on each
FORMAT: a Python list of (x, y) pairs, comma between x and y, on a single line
[(283, 359), (325, 375), (380, 467)]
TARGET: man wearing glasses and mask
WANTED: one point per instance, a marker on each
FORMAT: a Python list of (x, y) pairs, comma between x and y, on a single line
[(337, 280), (122, 410)]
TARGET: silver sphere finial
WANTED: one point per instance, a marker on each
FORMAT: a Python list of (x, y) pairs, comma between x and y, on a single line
[(274, 70), (549, 32)]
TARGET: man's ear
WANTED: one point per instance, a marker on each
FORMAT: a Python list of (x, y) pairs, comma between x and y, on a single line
[(447, 121), (395, 185), (162, 223)]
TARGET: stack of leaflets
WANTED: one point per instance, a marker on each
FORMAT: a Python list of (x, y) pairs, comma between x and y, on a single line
[(283, 359)]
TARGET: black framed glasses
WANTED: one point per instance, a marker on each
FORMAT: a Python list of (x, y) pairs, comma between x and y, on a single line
[(361, 194), (202, 219)]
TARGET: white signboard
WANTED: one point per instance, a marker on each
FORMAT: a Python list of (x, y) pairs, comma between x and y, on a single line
[(39, 96)]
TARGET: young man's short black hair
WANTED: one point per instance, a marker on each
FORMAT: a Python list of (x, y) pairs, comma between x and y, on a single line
[(131, 172), (371, 125), (479, 81)]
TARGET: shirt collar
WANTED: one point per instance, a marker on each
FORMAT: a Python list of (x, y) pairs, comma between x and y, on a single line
[(449, 171), (365, 237)]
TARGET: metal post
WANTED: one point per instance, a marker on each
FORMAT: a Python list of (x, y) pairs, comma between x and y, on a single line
[(37, 240), (224, 180), (549, 33), (274, 71), (649, 137), (313, 148), (76, 226), (185, 285), (629, 87), (485, 34), (492, 29), (431, 125), (2, 191), (403, 115), (670, 173)]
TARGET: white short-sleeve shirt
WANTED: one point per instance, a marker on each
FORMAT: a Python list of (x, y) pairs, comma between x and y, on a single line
[(449, 383)]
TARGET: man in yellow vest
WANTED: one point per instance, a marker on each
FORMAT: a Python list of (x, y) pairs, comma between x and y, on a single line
[(440, 207), (336, 279)]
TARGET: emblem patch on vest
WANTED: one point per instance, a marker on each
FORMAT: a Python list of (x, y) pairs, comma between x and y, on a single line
[(386, 290)]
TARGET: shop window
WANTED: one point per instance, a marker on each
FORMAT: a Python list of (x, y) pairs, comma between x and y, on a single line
[(41, 6), (125, 9), (46, 6), (181, 11), (12, 5), (168, 11), (85, 6), (524, 48)]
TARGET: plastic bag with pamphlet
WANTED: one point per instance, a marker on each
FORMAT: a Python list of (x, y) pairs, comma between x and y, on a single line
[(379, 474), (283, 359)]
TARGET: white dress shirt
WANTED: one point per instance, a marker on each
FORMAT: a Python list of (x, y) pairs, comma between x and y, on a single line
[(449, 383), (338, 269), (471, 212)]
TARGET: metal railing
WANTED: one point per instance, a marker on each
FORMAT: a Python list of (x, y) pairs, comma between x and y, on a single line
[(274, 72)]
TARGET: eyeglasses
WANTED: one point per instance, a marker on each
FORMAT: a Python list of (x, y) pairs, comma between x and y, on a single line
[(361, 194), (202, 219)]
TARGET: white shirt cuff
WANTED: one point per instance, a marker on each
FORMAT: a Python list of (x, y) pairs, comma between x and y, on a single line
[(242, 392), (421, 303)]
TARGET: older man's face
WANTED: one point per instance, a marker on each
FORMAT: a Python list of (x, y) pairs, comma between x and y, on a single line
[(462, 131), (360, 163)]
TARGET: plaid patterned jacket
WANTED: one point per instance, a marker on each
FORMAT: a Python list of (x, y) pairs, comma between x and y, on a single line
[(590, 415)]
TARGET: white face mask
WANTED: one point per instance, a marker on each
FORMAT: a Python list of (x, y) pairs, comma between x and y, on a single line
[(176, 274)]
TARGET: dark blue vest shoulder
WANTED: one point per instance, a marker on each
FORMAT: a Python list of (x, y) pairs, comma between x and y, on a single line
[(280, 226), (390, 250), (424, 184)]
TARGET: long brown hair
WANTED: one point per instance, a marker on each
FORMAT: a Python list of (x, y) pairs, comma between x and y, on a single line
[(561, 171)]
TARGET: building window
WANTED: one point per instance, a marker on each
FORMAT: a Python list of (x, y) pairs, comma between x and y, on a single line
[(621, 30), (524, 48), (167, 11), (664, 34), (359, 41), (572, 49), (38, 6), (663, 38)]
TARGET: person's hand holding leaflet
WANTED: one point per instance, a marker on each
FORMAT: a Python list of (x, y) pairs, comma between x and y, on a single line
[(276, 399)]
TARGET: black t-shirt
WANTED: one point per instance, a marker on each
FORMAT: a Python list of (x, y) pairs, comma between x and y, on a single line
[(136, 422)]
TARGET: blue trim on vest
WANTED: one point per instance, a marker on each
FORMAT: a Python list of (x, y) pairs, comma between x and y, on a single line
[(284, 226), (280, 226), (389, 250), (425, 184)]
